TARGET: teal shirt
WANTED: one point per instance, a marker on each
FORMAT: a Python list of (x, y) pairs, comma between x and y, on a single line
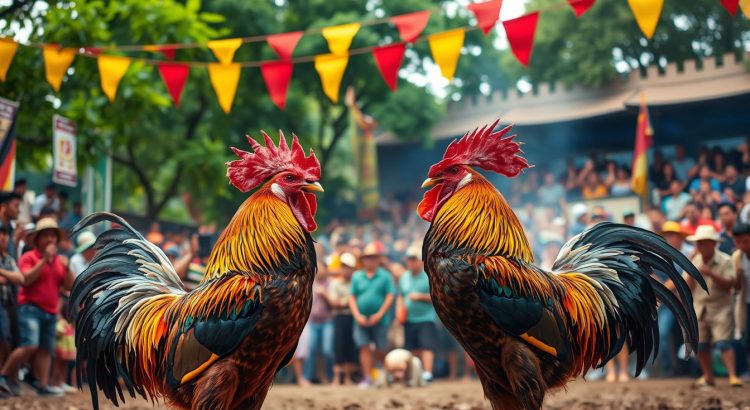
[(417, 311), (371, 292)]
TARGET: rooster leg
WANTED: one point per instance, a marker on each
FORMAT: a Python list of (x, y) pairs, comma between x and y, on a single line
[(216, 388), (523, 376)]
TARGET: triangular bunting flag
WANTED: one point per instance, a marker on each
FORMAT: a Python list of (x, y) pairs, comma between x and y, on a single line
[(446, 48), (56, 63), (646, 14), (745, 6), (411, 25), (731, 6), (340, 37), (224, 49), (277, 75), (284, 44), (487, 14), (7, 51), (111, 71), (520, 32), (174, 76), (330, 68), (580, 6), (388, 59), (224, 79), (168, 52)]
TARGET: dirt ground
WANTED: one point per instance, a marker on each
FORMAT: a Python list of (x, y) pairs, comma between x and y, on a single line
[(637, 395)]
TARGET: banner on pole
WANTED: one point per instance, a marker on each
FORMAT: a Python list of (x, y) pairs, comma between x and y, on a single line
[(8, 110), (64, 171)]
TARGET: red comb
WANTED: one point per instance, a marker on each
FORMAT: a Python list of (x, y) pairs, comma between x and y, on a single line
[(485, 149), (255, 167)]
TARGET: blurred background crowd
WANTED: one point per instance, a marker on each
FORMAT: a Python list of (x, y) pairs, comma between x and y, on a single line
[(371, 294)]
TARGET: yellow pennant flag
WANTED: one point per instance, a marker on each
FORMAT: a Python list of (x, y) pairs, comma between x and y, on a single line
[(224, 49), (56, 63), (330, 68), (7, 51), (339, 38), (111, 71), (446, 48), (646, 14), (745, 7), (224, 79)]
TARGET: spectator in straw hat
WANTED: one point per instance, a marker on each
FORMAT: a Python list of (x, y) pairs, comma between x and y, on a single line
[(414, 300), (84, 252), (715, 309), (45, 274), (373, 292)]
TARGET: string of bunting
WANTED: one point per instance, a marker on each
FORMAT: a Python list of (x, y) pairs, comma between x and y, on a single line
[(224, 74)]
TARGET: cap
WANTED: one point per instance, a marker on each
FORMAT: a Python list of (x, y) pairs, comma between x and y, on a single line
[(349, 260), (579, 210), (374, 248), (414, 252)]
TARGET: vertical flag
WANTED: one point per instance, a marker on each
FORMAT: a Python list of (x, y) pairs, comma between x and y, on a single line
[(446, 48), (643, 140), (8, 110), (64, 170), (111, 71), (365, 156), (56, 63), (646, 13), (7, 51)]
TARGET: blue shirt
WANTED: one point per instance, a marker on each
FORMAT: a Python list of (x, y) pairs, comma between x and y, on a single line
[(696, 185), (370, 292), (417, 311)]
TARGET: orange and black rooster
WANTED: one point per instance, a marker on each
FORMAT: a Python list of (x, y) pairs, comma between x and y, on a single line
[(528, 330), (220, 345)]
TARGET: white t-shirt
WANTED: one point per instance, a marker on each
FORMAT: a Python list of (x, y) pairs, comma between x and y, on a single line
[(41, 201), (78, 264)]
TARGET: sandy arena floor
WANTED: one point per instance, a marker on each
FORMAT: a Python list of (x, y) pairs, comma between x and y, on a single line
[(637, 395)]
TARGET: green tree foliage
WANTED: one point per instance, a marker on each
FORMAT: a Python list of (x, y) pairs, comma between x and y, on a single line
[(606, 42), (160, 151)]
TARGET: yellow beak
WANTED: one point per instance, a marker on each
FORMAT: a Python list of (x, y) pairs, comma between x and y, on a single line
[(429, 182), (315, 186)]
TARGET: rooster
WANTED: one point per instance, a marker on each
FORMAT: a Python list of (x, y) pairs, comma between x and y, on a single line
[(529, 330), (220, 345)]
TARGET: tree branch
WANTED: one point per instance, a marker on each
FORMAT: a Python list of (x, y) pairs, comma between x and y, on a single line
[(339, 128), (193, 123)]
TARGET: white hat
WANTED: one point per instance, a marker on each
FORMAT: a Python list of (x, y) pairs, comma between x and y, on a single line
[(579, 210), (84, 241), (347, 259), (705, 233), (414, 251)]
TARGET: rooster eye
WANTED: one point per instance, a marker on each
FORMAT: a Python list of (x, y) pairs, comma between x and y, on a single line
[(453, 170), (289, 178)]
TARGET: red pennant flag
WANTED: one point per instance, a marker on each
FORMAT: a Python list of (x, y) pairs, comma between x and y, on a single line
[(580, 6), (731, 6), (411, 25), (520, 32), (487, 14), (388, 59), (174, 76), (277, 75), (284, 44)]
